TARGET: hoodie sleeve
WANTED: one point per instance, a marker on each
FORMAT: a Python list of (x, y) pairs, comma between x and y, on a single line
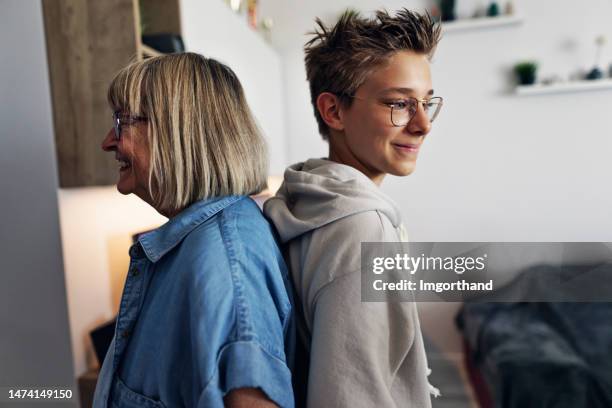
[(363, 354)]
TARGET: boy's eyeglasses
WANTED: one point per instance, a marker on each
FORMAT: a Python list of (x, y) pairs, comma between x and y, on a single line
[(120, 119), (403, 110)]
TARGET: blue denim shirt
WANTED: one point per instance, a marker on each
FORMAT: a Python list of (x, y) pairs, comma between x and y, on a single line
[(205, 309)]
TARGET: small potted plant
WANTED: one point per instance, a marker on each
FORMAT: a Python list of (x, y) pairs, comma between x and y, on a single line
[(493, 9), (596, 72), (526, 72)]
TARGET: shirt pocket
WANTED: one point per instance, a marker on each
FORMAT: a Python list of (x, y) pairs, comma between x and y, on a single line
[(124, 397)]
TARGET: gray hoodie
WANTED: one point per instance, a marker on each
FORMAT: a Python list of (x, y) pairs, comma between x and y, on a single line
[(361, 354)]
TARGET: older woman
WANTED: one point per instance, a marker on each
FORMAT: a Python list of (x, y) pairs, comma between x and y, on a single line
[(205, 314)]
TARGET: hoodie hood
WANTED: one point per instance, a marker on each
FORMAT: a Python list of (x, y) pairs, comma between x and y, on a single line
[(318, 192)]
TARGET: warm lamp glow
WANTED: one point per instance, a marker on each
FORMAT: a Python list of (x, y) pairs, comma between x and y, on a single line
[(274, 183)]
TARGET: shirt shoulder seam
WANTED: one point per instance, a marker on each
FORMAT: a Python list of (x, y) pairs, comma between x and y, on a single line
[(231, 244)]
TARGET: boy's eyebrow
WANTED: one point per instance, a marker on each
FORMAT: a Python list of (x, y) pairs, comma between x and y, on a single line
[(403, 90)]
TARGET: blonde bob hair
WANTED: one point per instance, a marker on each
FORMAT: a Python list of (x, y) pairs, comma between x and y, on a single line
[(202, 137)]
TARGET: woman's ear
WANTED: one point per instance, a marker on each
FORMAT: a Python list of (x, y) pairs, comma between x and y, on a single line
[(328, 105)]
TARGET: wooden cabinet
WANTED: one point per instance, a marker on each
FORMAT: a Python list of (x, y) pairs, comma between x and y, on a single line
[(88, 41)]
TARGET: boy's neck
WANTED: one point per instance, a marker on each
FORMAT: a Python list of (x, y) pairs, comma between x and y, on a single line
[(343, 156)]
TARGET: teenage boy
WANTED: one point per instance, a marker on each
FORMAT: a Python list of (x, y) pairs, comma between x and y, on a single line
[(372, 94)]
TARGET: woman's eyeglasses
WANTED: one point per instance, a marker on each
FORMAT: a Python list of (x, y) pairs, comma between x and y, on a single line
[(120, 119)]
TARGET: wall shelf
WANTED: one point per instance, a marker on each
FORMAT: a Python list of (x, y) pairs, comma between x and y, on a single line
[(481, 23), (564, 87)]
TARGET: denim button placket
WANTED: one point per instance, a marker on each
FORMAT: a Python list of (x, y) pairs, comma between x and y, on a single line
[(130, 305)]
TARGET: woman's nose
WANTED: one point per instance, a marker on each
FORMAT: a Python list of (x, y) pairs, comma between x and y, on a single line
[(109, 143)]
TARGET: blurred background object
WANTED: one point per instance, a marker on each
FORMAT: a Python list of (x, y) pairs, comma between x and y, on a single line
[(493, 9), (597, 72), (526, 72), (447, 10)]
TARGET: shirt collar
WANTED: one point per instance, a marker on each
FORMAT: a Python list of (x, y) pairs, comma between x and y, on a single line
[(159, 242)]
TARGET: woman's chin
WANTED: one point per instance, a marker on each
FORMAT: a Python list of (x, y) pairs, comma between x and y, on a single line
[(123, 188)]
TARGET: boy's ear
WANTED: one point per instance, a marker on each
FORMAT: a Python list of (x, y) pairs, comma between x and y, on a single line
[(328, 105)]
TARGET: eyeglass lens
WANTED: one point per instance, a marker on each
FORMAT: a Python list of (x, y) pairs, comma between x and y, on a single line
[(401, 115)]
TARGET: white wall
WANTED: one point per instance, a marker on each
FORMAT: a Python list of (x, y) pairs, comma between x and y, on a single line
[(35, 340), (496, 167), (212, 29)]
